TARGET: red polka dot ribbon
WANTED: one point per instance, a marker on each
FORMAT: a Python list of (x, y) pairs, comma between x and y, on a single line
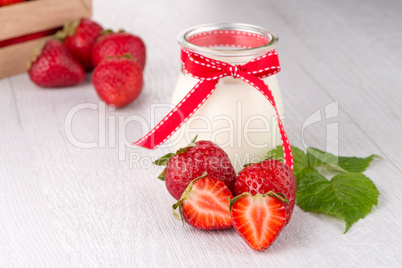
[(208, 72)]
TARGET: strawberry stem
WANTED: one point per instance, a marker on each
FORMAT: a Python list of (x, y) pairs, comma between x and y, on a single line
[(105, 32), (279, 196), (191, 144), (69, 29), (236, 198)]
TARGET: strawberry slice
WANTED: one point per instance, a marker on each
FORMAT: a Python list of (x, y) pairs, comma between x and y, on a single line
[(258, 219), (205, 204)]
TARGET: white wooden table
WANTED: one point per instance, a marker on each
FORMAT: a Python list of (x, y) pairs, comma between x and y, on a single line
[(65, 205)]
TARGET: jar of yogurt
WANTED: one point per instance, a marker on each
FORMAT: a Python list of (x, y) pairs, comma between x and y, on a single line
[(236, 116)]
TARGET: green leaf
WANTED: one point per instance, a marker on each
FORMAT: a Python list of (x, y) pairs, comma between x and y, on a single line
[(349, 196), (318, 158), (356, 164), (303, 173)]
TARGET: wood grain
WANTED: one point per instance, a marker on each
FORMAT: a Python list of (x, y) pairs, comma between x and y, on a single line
[(65, 206)]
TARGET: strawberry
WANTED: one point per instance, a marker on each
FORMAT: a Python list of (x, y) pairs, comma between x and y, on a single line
[(269, 175), (118, 81), (79, 37), (10, 2), (205, 204), (190, 162), (258, 219), (117, 45), (55, 67)]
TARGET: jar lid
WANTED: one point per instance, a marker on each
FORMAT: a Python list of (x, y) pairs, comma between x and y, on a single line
[(228, 39)]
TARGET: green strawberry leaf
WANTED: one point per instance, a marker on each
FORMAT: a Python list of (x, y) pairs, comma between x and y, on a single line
[(184, 149), (163, 160), (162, 175), (349, 196)]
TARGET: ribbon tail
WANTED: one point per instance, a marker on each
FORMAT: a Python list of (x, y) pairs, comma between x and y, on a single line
[(260, 85), (179, 115)]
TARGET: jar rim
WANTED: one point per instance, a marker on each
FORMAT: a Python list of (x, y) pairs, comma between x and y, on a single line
[(183, 39)]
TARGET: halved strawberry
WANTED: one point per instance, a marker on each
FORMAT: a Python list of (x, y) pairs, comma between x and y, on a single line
[(258, 219), (205, 204)]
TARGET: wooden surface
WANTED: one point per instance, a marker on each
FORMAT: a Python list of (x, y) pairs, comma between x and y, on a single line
[(62, 205)]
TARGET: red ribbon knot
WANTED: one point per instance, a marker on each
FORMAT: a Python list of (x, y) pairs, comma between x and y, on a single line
[(233, 70)]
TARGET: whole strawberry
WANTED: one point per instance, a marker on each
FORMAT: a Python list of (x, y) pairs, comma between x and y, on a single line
[(118, 81), (79, 38), (269, 175), (191, 162), (205, 204), (10, 2), (118, 45), (55, 67)]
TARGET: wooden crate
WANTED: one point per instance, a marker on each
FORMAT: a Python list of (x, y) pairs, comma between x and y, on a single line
[(32, 17)]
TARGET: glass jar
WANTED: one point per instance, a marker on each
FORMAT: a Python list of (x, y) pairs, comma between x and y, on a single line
[(236, 116)]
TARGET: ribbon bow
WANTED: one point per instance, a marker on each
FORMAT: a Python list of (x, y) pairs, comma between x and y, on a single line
[(209, 71)]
